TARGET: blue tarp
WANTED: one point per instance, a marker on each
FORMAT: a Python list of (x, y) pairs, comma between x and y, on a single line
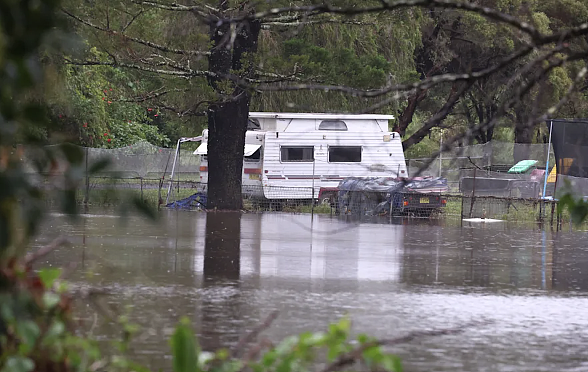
[(197, 200)]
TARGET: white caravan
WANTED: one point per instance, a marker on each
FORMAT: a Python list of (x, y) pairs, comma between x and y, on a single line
[(293, 156)]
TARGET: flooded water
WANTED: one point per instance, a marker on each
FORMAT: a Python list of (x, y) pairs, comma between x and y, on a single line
[(227, 272)]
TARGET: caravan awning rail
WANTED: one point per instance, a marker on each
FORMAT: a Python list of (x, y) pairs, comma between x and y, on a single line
[(249, 149)]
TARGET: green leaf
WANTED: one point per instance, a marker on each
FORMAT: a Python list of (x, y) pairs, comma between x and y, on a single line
[(48, 276), (74, 154), (392, 363), (6, 309), (55, 330), (18, 364), (98, 166), (144, 208), (50, 300), (184, 350), (28, 332)]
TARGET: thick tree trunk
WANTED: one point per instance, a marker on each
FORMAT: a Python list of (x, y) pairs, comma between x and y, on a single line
[(227, 118), (222, 247), (436, 120), (222, 268), (523, 135), (227, 123), (407, 114)]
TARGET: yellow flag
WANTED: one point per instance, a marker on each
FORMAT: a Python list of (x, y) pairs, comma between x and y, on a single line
[(552, 175)]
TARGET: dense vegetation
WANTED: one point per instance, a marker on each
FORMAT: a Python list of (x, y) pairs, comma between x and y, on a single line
[(108, 89), (110, 105)]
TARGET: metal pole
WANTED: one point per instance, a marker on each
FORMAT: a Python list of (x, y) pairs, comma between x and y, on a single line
[(87, 196), (179, 162), (547, 162), (440, 153), (312, 191), (171, 178)]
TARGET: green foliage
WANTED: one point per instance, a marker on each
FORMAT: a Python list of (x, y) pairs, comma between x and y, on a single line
[(363, 71), (94, 106), (293, 354), (184, 349), (577, 207)]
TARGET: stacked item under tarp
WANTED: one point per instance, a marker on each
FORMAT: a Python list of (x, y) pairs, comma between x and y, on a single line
[(373, 195)]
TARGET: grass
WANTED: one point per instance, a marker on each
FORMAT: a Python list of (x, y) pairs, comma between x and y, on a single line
[(517, 211)]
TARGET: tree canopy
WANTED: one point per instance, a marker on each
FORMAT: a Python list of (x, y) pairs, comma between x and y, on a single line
[(157, 70)]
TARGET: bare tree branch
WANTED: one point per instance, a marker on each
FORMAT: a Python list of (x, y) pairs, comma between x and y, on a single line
[(43, 251), (519, 92), (386, 5), (182, 74), (356, 354), (133, 19), (423, 84), (152, 95), (438, 117), (200, 10), (250, 336), (147, 43)]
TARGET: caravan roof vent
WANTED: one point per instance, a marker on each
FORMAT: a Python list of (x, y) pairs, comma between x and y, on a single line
[(332, 125)]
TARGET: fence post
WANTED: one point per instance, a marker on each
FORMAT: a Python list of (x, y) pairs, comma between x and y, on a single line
[(159, 200), (87, 196), (312, 191), (473, 194), (461, 211)]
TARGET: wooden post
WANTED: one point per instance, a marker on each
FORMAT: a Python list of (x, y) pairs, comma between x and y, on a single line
[(473, 194), (87, 196)]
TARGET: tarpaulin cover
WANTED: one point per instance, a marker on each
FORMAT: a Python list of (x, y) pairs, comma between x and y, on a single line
[(376, 195), (392, 185), (570, 146), (197, 200)]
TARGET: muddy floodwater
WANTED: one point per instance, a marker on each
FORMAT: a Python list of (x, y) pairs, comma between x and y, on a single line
[(227, 272)]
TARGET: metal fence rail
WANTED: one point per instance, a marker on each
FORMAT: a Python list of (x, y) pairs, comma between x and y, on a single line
[(105, 191)]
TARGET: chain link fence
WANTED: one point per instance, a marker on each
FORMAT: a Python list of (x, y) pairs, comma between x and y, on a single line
[(479, 185)]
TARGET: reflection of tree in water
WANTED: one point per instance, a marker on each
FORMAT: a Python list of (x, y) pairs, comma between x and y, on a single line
[(476, 256), (570, 265), (222, 302)]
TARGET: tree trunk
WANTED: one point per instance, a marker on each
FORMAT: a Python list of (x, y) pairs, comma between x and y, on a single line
[(437, 119), (222, 247), (227, 118), (407, 114), (227, 123), (222, 268), (523, 135)]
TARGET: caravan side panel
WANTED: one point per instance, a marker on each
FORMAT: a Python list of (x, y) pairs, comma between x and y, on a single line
[(381, 156)]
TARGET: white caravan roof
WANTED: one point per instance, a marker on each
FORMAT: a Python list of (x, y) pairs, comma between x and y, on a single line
[(318, 116), (249, 149)]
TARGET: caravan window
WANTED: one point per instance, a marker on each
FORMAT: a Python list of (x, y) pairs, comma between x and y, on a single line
[(345, 154), (332, 125), (301, 154), (255, 156)]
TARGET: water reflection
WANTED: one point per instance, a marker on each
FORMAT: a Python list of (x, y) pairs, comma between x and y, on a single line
[(222, 299), (228, 271), (222, 253)]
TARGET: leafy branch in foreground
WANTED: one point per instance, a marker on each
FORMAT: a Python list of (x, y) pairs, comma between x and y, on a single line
[(328, 351)]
